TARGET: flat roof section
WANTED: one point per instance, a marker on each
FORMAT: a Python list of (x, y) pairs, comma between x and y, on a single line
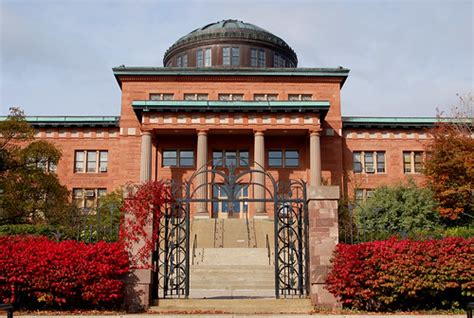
[(396, 122), (71, 121), (232, 106), (340, 72)]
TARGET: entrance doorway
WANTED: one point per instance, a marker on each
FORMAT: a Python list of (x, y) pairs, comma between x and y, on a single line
[(223, 207)]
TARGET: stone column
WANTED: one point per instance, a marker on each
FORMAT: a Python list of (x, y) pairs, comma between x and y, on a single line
[(259, 155), (323, 238), (201, 178), (314, 159), (145, 161)]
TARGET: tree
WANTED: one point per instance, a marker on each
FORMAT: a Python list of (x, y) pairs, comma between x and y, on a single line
[(450, 161), (141, 212), (398, 209), (29, 191)]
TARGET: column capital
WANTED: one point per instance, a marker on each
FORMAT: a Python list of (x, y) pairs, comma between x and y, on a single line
[(202, 131), (146, 131), (315, 132), (259, 132)]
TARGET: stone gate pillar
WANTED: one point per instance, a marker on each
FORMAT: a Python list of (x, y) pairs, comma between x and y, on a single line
[(323, 238), (138, 281)]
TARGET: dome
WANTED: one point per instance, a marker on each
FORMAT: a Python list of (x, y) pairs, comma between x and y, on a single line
[(244, 38)]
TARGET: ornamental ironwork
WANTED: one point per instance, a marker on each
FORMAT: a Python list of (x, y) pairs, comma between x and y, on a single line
[(228, 184)]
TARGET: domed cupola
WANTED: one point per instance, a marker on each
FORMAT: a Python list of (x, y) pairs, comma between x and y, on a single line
[(230, 43)]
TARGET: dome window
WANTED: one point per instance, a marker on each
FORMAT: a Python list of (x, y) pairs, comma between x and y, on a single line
[(231, 56), (207, 57), (257, 58), (199, 58), (182, 61)]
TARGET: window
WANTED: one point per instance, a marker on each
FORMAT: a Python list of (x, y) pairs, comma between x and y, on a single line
[(194, 96), (296, 97), (265, 97), (356, 162), (235, 58), (363, 194), (42, 163), (226, 56), (87, 199), (261, 58), (413, 161), (91, 161), (292, 158), (227, 158), (230, 97), (275, 158), (283, 158), (199, 58), (178, 158), (380, 162), (231, 56), (207, 57), (257, 58), (253, 57), (368, 161), (278, 60), (182, 61), (161, 96)]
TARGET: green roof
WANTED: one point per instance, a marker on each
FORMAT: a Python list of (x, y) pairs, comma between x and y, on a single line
[(71, 121), (259, 106), (395, 122), (224, 71)]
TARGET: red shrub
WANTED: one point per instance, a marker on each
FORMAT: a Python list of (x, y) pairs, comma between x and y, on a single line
[(36, 271), (403, 274)]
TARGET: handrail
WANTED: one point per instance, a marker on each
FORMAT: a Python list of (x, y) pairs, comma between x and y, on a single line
[(268, 249), (248, 229), (194, 247)]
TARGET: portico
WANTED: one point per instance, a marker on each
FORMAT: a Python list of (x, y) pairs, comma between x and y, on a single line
[(283, 139)]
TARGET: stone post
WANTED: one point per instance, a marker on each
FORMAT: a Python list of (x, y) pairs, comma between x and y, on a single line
[(259, 155), (323, 238), (138, 281), (201, 178), (314, 159)]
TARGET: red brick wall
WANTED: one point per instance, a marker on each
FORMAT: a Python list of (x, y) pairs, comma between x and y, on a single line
[(394, 142)]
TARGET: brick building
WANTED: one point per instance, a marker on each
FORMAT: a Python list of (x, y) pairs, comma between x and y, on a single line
[(231, 96)]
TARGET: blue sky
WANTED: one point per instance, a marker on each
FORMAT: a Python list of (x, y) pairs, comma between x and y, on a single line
[(407, 58)]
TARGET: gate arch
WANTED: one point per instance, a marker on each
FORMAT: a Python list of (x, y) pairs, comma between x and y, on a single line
[(290, 213)]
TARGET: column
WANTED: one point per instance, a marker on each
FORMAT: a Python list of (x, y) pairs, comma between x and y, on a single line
[(314, 159), (201, 178), (145, 158), (259, 186)]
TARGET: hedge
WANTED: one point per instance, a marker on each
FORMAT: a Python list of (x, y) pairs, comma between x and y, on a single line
[(395, 274), (36, 272)]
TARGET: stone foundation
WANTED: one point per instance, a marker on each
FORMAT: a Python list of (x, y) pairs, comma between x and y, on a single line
[(137, 290)]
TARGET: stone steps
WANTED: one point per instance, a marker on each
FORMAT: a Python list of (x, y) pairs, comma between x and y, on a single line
[(235, 306), (231, 256)]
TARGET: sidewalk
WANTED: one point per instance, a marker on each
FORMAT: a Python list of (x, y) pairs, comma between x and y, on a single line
[(242, 316)]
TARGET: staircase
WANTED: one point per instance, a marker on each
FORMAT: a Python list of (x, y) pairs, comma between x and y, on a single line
[(232, 270), (229, 264), (263, 306)]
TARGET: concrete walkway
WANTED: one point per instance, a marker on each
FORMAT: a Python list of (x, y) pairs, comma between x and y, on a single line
[(241, 316)]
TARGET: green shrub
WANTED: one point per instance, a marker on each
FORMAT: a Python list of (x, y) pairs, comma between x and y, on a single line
[(27, 229), (400, 209)]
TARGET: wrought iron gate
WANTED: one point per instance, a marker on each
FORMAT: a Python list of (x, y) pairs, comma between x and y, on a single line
[(172, 251)]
